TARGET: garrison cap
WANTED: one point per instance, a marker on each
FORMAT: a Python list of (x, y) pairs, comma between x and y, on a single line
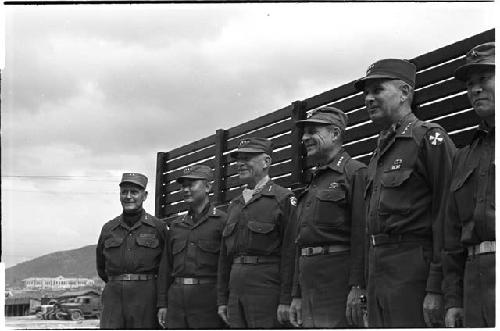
[(198, 171), (254, 145), (389, 69), (326, 116), (478, 58), (135, 178)]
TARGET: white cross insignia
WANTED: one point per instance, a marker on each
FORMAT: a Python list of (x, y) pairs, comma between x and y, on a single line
[(436, 139), (293, 201)]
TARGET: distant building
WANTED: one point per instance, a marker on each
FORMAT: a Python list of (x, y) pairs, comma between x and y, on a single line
[(55, 283)]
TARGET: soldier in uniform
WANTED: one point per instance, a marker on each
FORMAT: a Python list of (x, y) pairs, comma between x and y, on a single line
[(469, 252), (405, 193), (128, 254), (254, 281), (330, 229), (187, 291)]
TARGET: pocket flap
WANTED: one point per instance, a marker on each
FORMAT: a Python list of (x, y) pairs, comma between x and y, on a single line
[(113, 242), (395, 178), (261, 227), (459, 180), (178, 246), (209, 246), (228, 229), (330, 195), (147, 242)]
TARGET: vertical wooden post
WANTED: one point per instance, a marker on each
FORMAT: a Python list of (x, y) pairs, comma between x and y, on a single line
[(160, 189), (219, 187), (298, 113)]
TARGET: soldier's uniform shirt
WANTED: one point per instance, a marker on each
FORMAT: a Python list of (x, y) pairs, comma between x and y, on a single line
[(405, 192), (469, 282), (252, 292), (130, 250), (330, 212), (192, 249)]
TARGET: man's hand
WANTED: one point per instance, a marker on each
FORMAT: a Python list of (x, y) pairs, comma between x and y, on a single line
[(162, 317), (454, 318), (222, 311), (353, 311), (282, 313), (433, 310), (296, 312)]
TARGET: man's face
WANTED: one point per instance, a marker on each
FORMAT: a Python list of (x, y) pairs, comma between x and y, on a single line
[(481, 92), (382, 99), (251, 166), (318, 140), (195, 190), (132, 196)]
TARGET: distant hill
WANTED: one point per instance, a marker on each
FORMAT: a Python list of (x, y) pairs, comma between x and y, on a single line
[(78, 262)]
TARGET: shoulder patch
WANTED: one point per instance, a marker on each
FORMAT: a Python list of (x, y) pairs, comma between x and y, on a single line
[(435, 137)]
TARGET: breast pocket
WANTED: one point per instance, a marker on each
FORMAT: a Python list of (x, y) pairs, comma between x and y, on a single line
[(229, 237), (395, 195), (330, 207), (463, 194), (112, 251), (263, 237), (208, 254), (148, 251)]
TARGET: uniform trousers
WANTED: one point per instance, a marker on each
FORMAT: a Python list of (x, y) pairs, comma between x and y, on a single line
[(254, 291), (479, 291), (324, 283), (193, 307), (129, 305), (397, 279)]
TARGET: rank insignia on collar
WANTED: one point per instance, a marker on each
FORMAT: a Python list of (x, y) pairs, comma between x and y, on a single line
[(340, 161), (436, 139), (293, 201), (214, 211), (397, 164), (406, 128), (333, 185)]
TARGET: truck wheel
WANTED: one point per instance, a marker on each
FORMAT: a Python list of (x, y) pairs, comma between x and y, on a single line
[(76, 315)]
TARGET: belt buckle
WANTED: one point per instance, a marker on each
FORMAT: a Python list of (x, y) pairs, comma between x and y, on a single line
[(127, 277), (189, 281), (309, 251)]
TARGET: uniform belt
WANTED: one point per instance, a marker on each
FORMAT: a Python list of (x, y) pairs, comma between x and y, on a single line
[(482, 248), (249, 259), (387, 239), (323, 250), (195, 281), (132, 277)]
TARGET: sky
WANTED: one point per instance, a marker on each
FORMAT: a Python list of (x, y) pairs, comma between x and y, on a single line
[(89, 92)]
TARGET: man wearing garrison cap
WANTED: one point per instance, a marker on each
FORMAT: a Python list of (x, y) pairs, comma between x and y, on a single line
[(254, 280), (187, 282), (469, 249), (330, 229), (128, 253), (405, 195)]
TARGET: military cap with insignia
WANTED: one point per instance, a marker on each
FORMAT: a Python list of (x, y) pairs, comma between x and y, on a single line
[(198, 171), (327, 115), (481, 57), (134, 178), (389, 69), (253, 145)]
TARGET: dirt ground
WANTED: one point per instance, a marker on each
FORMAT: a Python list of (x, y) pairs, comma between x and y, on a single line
[(32, 322)]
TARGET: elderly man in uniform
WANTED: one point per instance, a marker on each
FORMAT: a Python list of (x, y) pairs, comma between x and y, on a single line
[(330, 229), (254, 281), (187, 294), (469, 252), (405, 193), (129, 252)]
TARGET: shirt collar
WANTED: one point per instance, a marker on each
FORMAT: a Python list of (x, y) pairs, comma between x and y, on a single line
[(337, 163)]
